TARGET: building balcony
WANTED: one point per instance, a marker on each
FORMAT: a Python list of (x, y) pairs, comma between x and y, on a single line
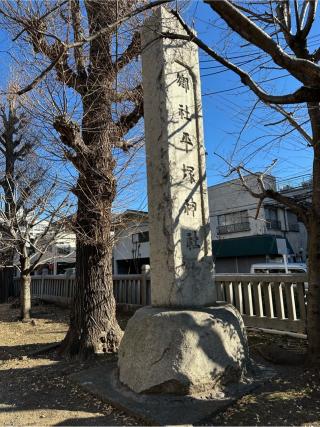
[(273, 224), (233, 228)]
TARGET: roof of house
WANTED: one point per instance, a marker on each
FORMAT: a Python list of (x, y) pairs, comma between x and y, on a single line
[(122, 219)]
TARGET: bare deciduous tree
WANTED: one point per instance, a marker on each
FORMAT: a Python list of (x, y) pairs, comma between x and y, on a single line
[(90, 48), (280, 35), (35, 221), (16, 144), (31, 212)]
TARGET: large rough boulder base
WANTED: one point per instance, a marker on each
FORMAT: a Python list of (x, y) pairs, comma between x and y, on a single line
[(183, 351)]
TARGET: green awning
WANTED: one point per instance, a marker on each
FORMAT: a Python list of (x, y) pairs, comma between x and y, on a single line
[(248, 246)]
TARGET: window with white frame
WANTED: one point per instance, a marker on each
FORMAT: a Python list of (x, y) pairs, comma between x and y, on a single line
[(233, 222)]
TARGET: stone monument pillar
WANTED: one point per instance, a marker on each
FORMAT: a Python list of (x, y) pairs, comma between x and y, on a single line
[(181, 344), (179, 225)]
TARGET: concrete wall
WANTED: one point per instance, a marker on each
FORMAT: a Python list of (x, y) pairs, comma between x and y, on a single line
[(299, 241), (231, 197), (225, 198)]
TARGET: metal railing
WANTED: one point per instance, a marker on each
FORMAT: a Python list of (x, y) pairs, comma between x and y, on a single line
[(271, 301), (233, 228), (273, 224)]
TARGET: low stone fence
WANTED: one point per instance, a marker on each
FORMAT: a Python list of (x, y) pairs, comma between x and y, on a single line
[(264, 300), (132, 290), (58, 289)]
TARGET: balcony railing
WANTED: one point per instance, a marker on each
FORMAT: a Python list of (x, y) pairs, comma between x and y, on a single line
[(273, 224), (233, 228)]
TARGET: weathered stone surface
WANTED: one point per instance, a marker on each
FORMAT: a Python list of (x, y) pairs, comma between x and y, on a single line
[(183, 351), (179, 225)]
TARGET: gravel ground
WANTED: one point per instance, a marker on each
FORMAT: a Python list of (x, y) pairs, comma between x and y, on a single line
[(35, 390)]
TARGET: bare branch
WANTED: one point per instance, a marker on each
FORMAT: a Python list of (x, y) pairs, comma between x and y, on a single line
[(313, 4), (57, 52), (127, 122), (293, 122), (284, 18), (41, 18), (70, 133), (130, 53), (304, 70), (316, 55), (303, 94), (78, 35), (303, 212), (133, 95), (297, 15), (40, 77)]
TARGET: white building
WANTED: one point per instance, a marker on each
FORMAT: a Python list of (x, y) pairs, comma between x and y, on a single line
[(239, 238), (131, 249), (60, 256), (242, 236)]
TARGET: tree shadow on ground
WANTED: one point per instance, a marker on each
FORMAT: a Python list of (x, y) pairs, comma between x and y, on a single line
[(29, 350), (47, 388), (288, 400), (101, 420), (292, 397), (279, 401), (52, 313)]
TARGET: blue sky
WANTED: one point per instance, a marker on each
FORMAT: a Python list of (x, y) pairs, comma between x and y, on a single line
[(227, 104), (225, 111)]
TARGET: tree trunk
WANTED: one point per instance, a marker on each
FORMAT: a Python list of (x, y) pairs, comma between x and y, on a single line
[(313, 299), (93, 323), (25, 293)]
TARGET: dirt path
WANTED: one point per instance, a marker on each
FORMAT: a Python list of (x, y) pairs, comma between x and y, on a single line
[(35, 390)]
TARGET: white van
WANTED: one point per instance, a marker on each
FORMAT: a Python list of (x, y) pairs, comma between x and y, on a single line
[(278, 268)]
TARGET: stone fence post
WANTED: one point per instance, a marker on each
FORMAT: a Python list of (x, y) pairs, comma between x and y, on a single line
[(145, 272), (42, 285)]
